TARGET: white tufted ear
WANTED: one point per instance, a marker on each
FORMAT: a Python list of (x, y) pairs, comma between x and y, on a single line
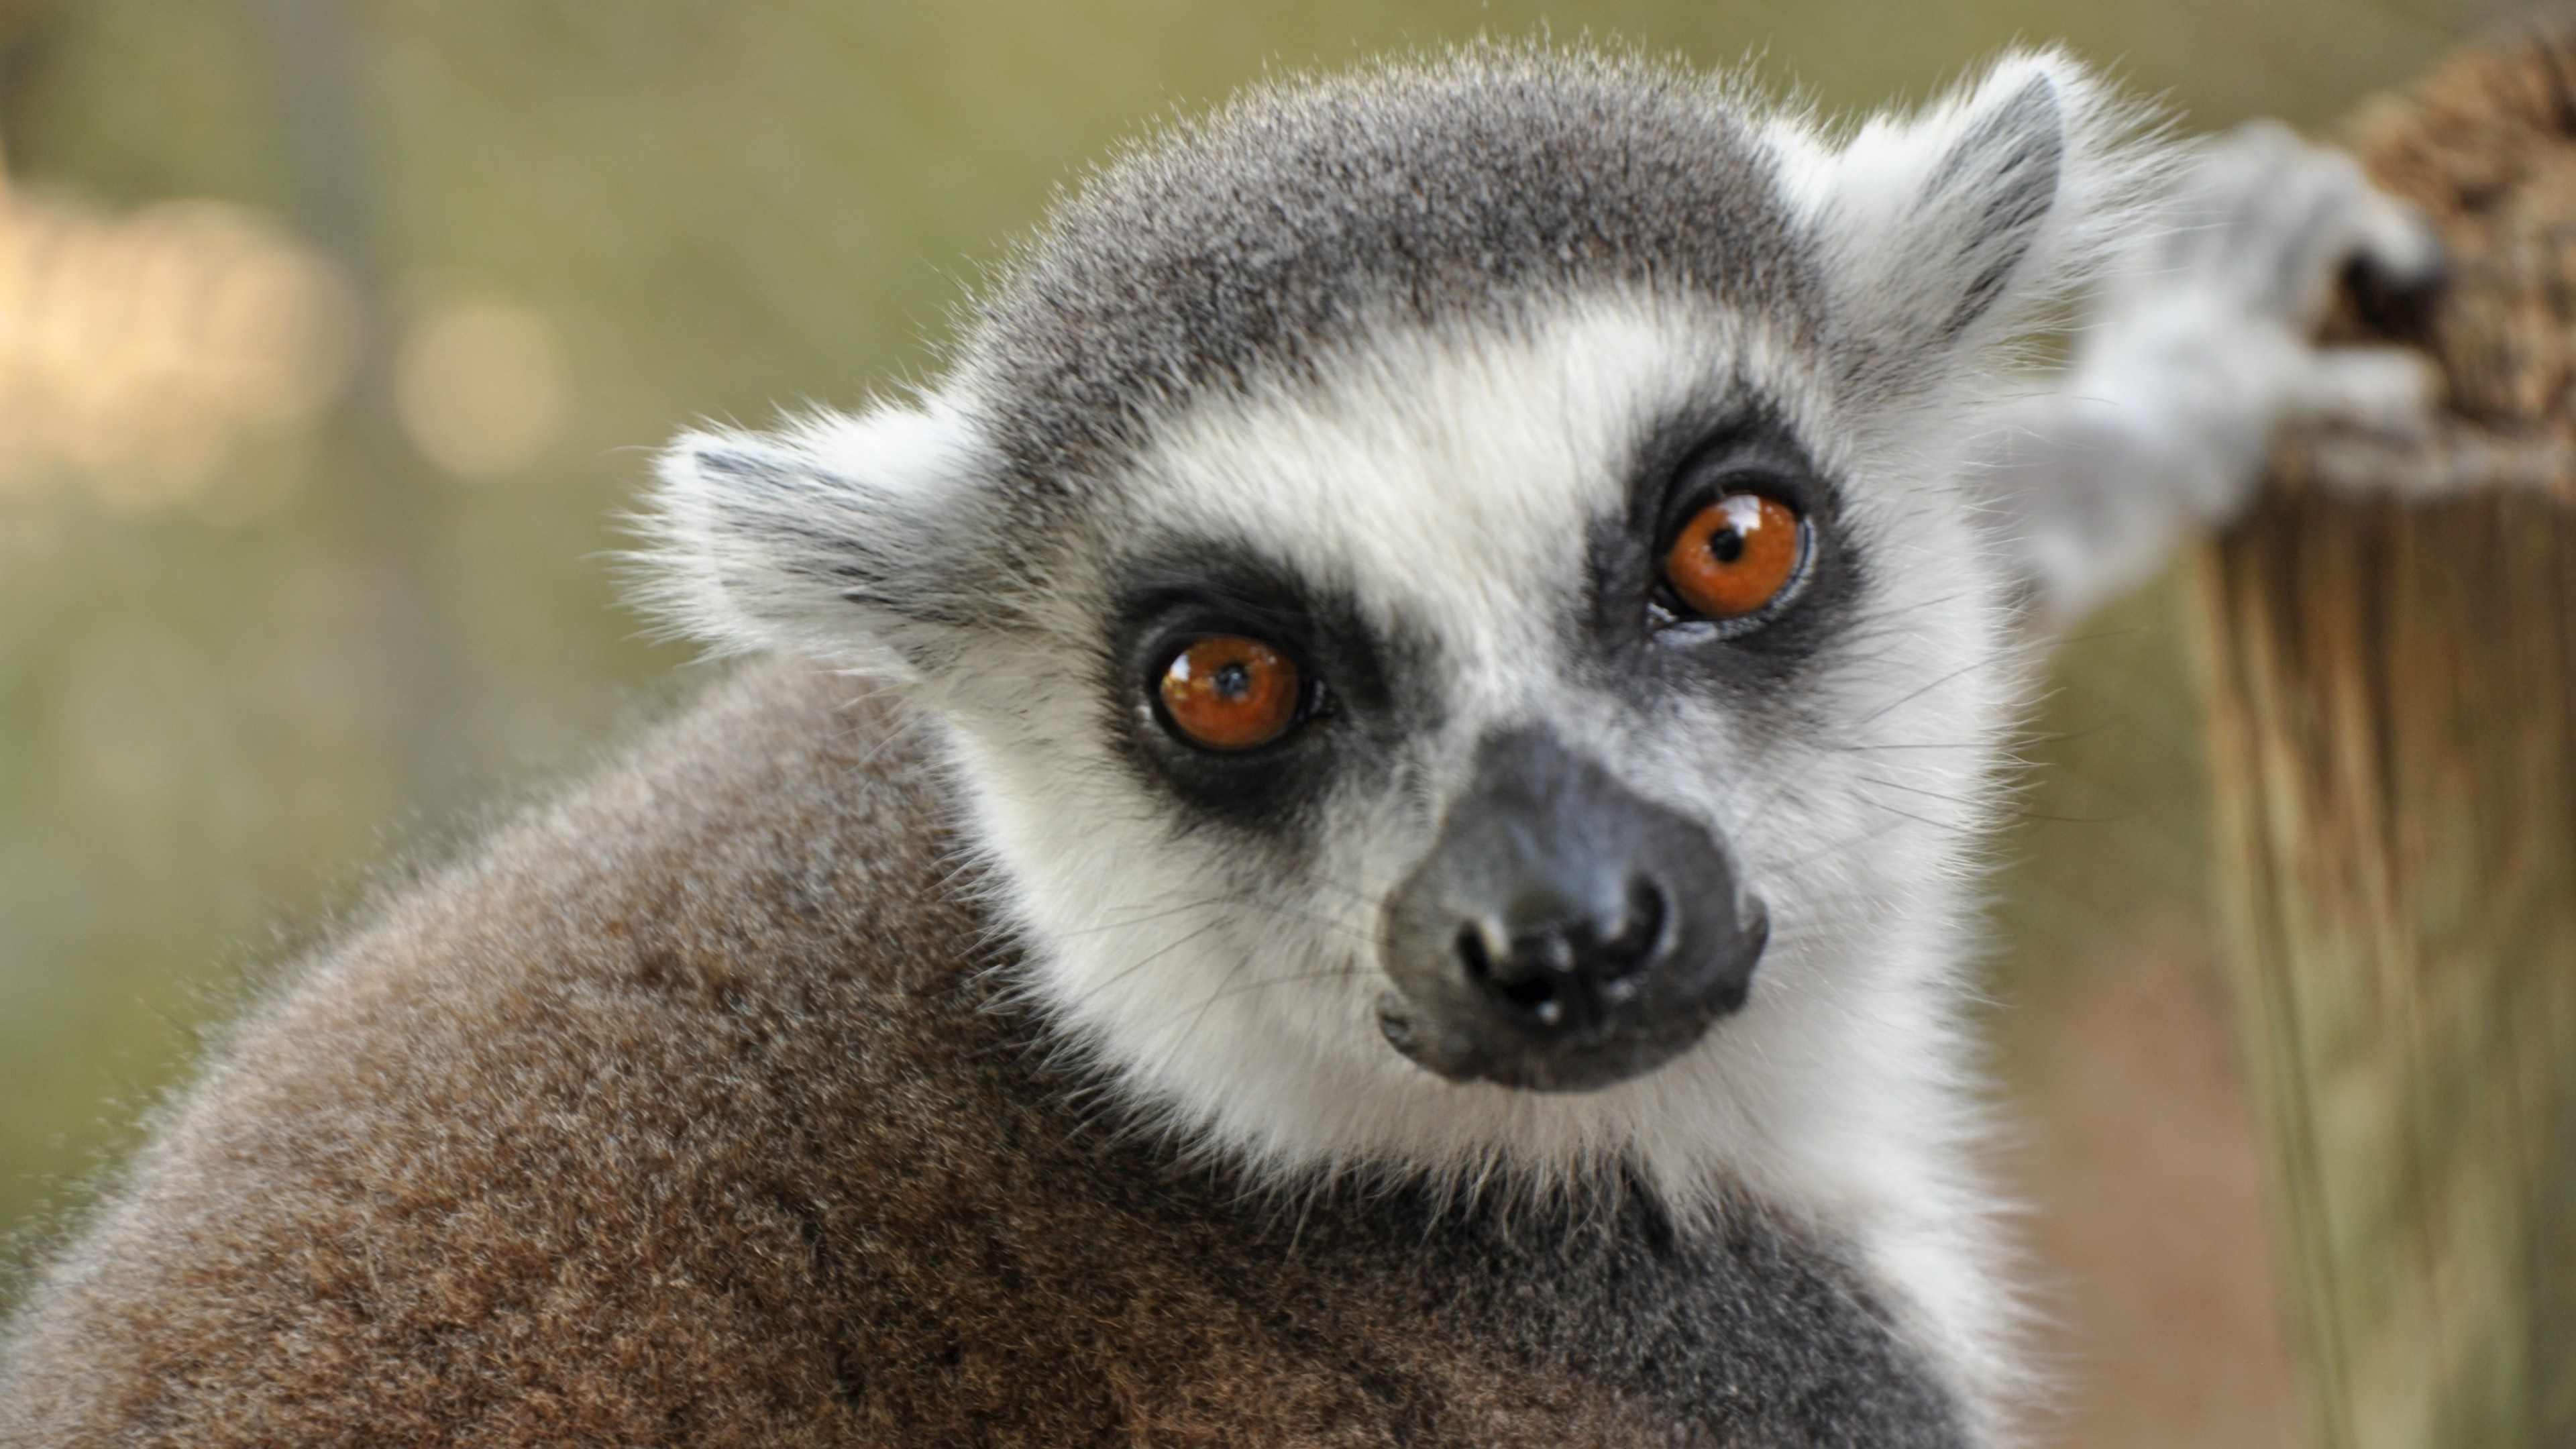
[(1946, 228), (844, 538)]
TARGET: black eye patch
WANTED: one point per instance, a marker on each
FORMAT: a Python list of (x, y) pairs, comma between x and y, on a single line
[(1643, 641), (1365, 689)]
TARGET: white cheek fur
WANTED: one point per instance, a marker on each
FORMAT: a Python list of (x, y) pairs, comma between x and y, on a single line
[(1447, 480), (1449, 483)]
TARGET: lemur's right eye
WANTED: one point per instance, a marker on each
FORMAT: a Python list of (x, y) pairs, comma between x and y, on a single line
[(1736, 555), (1231, 693)]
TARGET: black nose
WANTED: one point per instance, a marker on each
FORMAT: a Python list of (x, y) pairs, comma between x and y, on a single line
[(1563, 965), (1563, 933)]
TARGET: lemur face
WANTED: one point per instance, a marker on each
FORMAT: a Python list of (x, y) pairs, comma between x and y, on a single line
[(1451, 605), (1468, 651)]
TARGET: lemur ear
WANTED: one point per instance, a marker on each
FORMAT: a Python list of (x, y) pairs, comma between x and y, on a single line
[(1948, 227), (843, 538)]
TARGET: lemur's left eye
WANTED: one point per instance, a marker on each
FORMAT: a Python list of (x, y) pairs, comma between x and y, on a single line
[(1232, 693), (1736, 555)]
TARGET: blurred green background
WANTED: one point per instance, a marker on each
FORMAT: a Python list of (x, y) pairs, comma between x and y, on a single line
[(329, 333)]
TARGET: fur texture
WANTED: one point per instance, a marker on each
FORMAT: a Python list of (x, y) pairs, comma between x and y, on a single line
[(687, 1115), (990, 1065), (1401, 347)]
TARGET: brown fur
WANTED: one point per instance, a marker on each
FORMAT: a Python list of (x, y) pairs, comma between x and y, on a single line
[(2480, 145), (684, 1114)]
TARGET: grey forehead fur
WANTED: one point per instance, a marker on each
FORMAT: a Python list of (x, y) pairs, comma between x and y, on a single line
[(1238, 248)]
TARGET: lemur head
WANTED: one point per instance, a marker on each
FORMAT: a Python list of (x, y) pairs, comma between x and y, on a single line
[(1453, 602)]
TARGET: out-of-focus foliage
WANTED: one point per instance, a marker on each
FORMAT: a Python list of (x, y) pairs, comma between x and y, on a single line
[(557, 230)]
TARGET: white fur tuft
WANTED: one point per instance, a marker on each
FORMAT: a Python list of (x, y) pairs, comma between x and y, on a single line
[(1955, 227), (811, 538)]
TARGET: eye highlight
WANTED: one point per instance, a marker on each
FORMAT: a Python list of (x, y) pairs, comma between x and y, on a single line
[(1736, 555), (1231, 693)]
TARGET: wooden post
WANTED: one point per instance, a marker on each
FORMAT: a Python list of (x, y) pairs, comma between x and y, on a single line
[(2389, 664)]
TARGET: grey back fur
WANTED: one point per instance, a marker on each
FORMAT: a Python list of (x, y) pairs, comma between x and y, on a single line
[(725, 1102), (687, 1114)]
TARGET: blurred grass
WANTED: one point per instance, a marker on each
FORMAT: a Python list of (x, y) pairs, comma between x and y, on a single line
[(217, 722)]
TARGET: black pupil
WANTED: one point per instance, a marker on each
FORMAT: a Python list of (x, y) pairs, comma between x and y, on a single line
[(1233, 679), (1727, 545)]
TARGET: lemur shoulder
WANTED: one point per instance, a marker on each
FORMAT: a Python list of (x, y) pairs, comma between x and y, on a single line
[(1360, 829)]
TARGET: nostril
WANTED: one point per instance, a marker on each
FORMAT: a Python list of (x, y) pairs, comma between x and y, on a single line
[(1472, 953), (1574, 969), (1531, 991), (1640, 933)]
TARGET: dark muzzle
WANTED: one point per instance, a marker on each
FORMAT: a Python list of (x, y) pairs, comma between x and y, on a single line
[(1563, 934)]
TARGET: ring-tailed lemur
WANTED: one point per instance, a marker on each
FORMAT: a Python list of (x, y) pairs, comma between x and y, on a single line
[(1364, 832)]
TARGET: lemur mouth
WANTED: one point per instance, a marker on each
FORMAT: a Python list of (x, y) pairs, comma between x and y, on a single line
[(1563, 934)]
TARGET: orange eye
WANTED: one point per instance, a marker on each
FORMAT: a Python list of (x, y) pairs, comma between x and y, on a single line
[(1231, 693), (1736, 555)]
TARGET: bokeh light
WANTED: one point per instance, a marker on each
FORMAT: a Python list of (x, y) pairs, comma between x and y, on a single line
[(480, 386), (139, 354)]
